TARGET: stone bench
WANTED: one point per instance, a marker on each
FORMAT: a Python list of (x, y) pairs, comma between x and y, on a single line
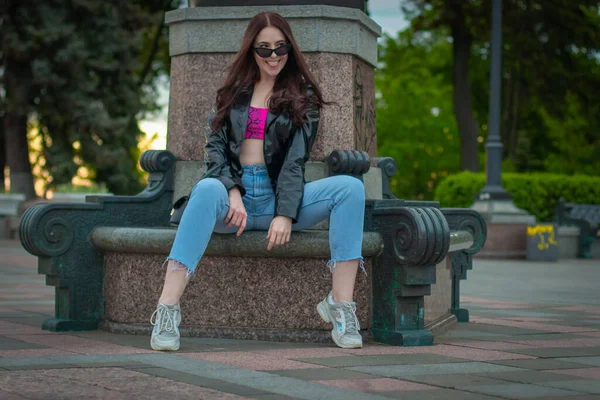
[(104, 257), (584, 216)]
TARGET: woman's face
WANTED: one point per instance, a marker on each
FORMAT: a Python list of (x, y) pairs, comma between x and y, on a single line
[(271, 38)]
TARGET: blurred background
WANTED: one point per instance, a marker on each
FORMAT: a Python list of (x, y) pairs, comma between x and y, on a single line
[(84, 91)]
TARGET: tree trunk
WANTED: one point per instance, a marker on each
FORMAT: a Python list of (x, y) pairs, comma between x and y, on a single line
[(17, 155), (15, 129), (463, 98)]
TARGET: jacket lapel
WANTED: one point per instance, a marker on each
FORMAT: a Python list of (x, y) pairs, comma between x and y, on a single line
[(241, 107)]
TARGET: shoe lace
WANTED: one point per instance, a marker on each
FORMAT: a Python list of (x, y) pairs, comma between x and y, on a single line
[(352, 324), (165, 319)]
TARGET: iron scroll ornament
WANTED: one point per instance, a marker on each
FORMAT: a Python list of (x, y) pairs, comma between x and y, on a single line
[(421, 237)]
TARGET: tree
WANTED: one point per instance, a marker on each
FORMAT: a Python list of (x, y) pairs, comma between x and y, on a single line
[(415, 121), (82, 73), (461, 20), (550, 49)]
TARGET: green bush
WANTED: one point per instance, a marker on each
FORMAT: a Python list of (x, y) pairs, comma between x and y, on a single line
[(537, 193), (70, 188)]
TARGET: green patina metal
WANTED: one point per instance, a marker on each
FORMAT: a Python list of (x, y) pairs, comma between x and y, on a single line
[(584, 216), (58, 234), (462, 261), (416, 239)]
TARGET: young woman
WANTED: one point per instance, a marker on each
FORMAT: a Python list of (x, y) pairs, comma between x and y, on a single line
[(258, 138)]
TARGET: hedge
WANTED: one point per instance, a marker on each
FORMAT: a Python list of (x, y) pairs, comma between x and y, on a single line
[(537, 193)]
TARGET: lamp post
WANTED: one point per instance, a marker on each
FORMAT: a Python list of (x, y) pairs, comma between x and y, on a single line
[(506, 224), (493, 188)]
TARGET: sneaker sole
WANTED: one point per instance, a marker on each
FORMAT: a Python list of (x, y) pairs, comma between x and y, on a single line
[(162, 347), (322, 310)]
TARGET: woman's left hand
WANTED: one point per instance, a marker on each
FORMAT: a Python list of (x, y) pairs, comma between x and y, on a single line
[(279, 231)]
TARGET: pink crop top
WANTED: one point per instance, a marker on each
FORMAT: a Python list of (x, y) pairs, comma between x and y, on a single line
[(255, 127)]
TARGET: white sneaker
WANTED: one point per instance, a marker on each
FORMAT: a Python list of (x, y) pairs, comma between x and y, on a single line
[(166, 320), (342, 315)]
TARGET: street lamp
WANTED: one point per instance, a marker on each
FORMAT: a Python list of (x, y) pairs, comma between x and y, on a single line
[(507, 224)]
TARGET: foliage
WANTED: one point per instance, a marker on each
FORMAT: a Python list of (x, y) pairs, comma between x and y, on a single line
[(415, 122), (537, 193), (86, 71), (70, 188), (551, 74)]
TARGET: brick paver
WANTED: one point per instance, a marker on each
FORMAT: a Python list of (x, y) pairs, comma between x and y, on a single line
[(510, 350)]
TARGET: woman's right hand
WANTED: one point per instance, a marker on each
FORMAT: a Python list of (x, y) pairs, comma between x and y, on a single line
[(237, 212)]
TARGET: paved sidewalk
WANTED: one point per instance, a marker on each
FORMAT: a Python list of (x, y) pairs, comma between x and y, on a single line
[(510, 350)]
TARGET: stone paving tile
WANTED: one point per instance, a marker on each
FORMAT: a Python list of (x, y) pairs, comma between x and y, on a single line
[(549, 336), (591, 342), (271, 396), (438, 394), (587, 309), (479, 344), (592, 334), (526, 376), (186, 364), (519, 391), (539, 364), (313, 374), (376, 385), (496, 329), (594, 361), (31, 367), (102, 383), (115, 338), (582, 386), (45, 309), (32, 321), (79, 345), (376, 350), (454, 380), (590, 373), (305, 390), (474, 335), (481, 300), (475, 354), (393, 359), (560, 352), (17, 362), (433, 369), (10, 396), (306, 352), (10, 328), (575, 397), (531, 319), (525, 315), (214, 384), (253, 361), (8, 343), (529, 325), (30, 353)]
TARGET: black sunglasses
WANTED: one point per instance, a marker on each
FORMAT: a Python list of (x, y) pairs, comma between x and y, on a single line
[(265, 52)]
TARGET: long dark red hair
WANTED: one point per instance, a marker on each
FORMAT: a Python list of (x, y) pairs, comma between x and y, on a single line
[(289, 93)]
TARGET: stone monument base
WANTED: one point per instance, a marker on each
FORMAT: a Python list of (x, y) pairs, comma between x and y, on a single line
[(506, 229)]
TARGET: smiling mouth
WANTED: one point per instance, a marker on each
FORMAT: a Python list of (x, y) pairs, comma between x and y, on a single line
[(273, 63)]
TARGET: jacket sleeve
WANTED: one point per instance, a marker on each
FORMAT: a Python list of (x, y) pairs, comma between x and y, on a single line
[(290, 184), (218, 163)]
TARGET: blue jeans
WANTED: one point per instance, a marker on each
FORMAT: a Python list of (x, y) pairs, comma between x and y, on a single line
[(340, 198)]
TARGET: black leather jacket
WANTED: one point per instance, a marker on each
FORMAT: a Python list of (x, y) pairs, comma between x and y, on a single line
[(286, 150)]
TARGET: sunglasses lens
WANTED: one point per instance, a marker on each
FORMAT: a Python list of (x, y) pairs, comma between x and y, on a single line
[(283, 50), (264, 53)]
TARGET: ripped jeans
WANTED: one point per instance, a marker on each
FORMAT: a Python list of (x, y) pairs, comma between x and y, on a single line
[(341, 198)]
